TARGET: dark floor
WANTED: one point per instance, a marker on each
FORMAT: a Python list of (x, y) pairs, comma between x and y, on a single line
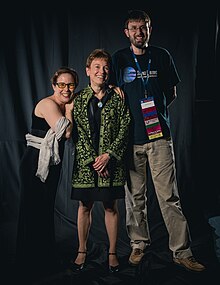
[(156, 268)]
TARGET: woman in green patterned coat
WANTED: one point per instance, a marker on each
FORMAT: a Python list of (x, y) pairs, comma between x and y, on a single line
[(102, 121)]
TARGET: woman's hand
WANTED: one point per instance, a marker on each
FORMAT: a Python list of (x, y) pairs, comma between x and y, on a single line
[(69, 108), (100, 165), (118, 90), (104, 173), (101, 162)]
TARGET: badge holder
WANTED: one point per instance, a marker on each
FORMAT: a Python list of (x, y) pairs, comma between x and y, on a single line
[(150, 116)]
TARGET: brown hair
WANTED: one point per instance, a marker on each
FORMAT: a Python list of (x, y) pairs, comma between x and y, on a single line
[(65, 69), (98, 53), (137, 15)]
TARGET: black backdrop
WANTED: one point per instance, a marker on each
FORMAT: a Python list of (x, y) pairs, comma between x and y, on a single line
[(36, 41)]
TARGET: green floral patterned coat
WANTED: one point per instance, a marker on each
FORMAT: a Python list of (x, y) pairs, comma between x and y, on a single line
[(114, 127)]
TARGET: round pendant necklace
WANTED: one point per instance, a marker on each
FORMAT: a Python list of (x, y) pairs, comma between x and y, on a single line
[(100, 104)]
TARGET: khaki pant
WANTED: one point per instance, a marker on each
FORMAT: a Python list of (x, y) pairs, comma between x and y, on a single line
[(160, 156)]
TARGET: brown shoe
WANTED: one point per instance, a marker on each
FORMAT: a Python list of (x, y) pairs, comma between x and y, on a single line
[(189, 263), (136, 256)]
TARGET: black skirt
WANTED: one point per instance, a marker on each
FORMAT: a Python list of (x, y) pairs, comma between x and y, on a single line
[(98, 194)]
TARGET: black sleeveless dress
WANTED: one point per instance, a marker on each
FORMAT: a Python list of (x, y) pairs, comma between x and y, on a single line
[(36, 234)]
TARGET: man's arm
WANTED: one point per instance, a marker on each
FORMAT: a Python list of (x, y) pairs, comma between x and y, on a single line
[(171, 95)]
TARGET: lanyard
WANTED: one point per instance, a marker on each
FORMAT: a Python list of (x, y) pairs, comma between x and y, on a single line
[(145, 81)]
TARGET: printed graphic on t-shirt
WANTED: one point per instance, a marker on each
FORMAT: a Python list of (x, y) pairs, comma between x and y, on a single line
[(129, 74)]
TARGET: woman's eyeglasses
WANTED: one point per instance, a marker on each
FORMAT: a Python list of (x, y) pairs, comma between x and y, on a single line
[(62, 85)]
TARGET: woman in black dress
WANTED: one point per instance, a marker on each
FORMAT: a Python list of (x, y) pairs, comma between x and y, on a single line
[(39, 174), (102, 119)]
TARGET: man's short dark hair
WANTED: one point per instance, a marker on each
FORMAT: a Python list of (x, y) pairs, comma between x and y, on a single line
[(137, 15)]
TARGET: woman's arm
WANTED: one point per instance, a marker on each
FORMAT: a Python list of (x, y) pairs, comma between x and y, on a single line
[(49, 110), (69, 116)]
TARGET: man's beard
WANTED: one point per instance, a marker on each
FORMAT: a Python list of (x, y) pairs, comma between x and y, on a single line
[(139, 44)]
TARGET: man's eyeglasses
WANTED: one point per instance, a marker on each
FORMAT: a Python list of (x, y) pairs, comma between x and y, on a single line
[(62, 85), (135, 29)]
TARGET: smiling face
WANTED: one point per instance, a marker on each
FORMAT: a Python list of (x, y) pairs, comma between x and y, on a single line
[(98, 72), (138, 32), (64, 87)]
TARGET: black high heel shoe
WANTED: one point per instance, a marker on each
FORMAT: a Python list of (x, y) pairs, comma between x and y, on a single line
[(113, 269), (78, 267)]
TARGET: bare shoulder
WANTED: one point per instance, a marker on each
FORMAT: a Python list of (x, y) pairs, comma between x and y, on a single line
[(45, 105), (48, 102)]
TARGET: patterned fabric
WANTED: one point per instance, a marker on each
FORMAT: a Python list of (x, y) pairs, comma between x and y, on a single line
[(114, 126)]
